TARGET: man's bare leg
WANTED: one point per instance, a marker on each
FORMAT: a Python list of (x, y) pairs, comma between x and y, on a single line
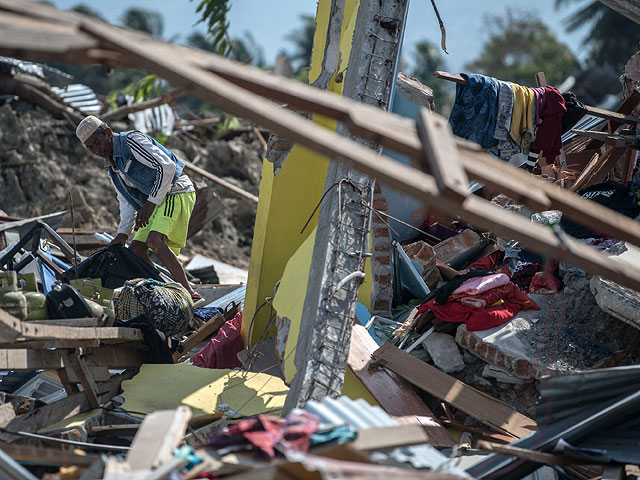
[(140, 249), (156, 241)]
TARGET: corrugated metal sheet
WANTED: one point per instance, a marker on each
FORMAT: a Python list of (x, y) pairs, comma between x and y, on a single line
[(236, 296), (588, 410), (52, 76), (80, 97), (361, 415), (157, 119)]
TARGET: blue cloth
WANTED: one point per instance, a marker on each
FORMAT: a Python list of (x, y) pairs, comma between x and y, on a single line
[(207, 313), (474, 111), (143, 177), (337, 435)]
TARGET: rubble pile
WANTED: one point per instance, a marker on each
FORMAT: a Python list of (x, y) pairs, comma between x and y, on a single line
[(42, 161)]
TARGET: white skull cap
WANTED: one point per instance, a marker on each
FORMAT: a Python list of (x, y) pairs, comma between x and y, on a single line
[(87, 126)]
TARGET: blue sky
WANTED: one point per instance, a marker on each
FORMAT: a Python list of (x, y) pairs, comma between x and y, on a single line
[(270, 21)]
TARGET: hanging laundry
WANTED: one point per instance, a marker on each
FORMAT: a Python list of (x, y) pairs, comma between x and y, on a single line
[(506, 146), (522, 121), (473, 115), (539, 91), (575, 111), (548, 139)]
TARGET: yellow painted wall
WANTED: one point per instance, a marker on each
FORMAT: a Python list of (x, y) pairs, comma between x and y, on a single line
[(287, 200)]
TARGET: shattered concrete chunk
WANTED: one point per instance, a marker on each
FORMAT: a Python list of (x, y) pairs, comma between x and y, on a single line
[(444, 352)]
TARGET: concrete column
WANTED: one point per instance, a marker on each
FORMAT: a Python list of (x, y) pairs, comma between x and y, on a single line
[(343, 221)]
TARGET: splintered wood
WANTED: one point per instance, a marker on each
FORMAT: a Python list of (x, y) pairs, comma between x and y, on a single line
[(479, 405)]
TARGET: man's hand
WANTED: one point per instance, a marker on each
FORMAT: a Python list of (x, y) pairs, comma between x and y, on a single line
[(144, 214), (119, 239)]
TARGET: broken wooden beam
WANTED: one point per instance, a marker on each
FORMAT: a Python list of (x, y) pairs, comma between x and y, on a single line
[(440, 155), (61, 409), (220, 181), (532, 455), (394, 395), (612, 139), (475, 403)]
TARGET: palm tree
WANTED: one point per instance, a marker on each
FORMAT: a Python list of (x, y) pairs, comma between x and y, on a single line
[(612, 37)]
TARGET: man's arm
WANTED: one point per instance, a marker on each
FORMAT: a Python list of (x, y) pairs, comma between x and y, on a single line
[(127, 218)]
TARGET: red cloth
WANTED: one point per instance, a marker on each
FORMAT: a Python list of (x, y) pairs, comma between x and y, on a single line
[(548, 139), (269, 434), (478, 318), (222, 350), (487, 263)]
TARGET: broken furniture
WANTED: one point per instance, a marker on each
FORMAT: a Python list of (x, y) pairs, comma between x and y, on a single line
[(79, 354)]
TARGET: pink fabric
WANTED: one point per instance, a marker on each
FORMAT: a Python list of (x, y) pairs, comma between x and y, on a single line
[(477, 285), (222, 350)]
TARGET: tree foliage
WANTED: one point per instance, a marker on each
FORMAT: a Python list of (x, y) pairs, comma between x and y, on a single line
[(302, 39), (520, 45), (214, 15), (424, 60), (612, 37), (147, 21)]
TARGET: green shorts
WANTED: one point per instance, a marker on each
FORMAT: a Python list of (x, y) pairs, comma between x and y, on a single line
[(171, 218)]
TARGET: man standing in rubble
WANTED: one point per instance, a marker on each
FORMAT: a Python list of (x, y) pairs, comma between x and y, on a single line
[(154, 195)]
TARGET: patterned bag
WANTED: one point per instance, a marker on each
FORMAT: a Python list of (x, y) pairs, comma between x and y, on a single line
[(169, 305)]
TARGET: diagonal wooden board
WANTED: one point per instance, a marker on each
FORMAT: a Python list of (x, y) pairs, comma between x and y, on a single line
[(394, 395), (479, 405), (123, 46)]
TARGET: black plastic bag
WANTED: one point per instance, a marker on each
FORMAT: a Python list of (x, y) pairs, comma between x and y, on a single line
[(114, 265)]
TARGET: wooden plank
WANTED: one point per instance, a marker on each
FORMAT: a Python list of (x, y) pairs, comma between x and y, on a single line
[(78, 365), (530, 455), (68, 322), (394, 395), (160, 433), (626, 107), (603, 165), (99, 374), (64, 408), (46, 456), (50, 343), (541, 79), (106, 356), (587, 171), (389, 437), (440, 155), (69, 386), (11, 329), (479, 405), (220, 181), (205, 331), (615, 140), (229, 96)]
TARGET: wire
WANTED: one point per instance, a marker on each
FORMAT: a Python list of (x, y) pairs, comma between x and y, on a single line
[(344, 180), (433, 237), (98, 446)]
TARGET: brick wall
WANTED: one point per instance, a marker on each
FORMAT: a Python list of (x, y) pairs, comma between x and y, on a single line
[(382, 292)]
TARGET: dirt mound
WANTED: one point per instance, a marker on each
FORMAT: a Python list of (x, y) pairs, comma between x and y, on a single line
[(41, 161)]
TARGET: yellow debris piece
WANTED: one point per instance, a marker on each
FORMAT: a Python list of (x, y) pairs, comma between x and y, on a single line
[(164, 387)]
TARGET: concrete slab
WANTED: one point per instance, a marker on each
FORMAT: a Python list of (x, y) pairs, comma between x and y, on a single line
[(620, 302), (568, 333)]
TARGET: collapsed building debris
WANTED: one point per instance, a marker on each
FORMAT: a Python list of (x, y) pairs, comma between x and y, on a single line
[(492, 290)]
